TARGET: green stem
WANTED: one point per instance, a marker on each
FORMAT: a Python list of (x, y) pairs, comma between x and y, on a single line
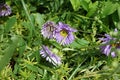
[(26, 11), (75, 71), (32, 29)]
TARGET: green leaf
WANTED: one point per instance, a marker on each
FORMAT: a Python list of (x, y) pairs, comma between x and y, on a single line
[(21, 46), (9, 52), (84, 4), (118, 24), (55, 44), (39, 19), (108, 9), (119, 12), (76, 4), (32, 77), (92, 9), (83, 43), (28, 26), (10, 23), (75, 45), (79, 43), (16, 67), (32, 67), (1, 29), (115, 19)]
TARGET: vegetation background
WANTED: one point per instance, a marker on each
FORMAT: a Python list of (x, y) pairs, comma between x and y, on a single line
[(21, 40)]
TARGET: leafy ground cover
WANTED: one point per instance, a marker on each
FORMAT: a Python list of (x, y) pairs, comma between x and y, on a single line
[(59, 39)]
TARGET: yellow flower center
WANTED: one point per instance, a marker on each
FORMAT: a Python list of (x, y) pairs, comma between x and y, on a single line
[(3, 9), (63, 33), (115, 44)]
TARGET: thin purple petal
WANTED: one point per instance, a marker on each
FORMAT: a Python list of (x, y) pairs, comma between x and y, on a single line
[(51, 57)]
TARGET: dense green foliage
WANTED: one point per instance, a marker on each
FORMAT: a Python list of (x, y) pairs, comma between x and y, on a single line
[(21, 40)]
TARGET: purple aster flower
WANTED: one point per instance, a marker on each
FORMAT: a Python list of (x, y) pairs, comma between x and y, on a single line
[(48, 29), (108, 44), (51, 57), (64, 34), (5, 10), (106, 39)]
